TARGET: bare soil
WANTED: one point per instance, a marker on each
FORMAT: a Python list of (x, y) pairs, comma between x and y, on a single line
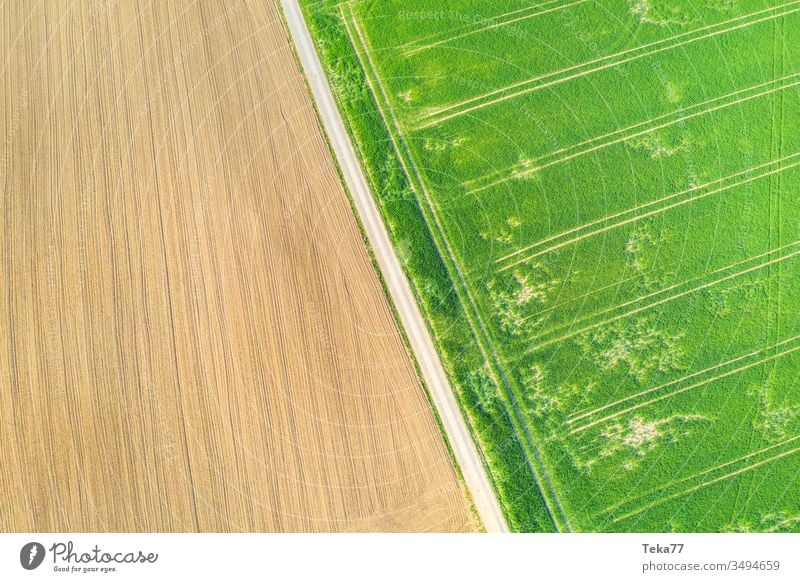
[(192, 335)]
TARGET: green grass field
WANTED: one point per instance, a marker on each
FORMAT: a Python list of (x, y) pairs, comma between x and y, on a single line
[(596, 202)]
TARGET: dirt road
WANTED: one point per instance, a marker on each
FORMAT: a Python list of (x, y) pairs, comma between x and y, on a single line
[(464, 448)]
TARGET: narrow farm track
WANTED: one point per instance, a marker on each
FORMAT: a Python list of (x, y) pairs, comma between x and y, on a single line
[(557, 513), (192, 334), (442, 114), (464, 449)]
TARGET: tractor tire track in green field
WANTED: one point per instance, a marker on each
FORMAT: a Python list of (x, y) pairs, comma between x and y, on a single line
[(633, 506), (705, 484), (638, 217), (557, 513), (577, 416), (575, 332), (684, 389), (439, 115), (589, 294), (774, 238), (773, 352), (621, 135), (663, 291), (539, 10)]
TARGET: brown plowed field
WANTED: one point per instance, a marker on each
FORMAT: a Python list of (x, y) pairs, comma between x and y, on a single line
[(192, 336)]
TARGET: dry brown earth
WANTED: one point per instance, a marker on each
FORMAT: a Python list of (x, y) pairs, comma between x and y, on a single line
[(192, 336)]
